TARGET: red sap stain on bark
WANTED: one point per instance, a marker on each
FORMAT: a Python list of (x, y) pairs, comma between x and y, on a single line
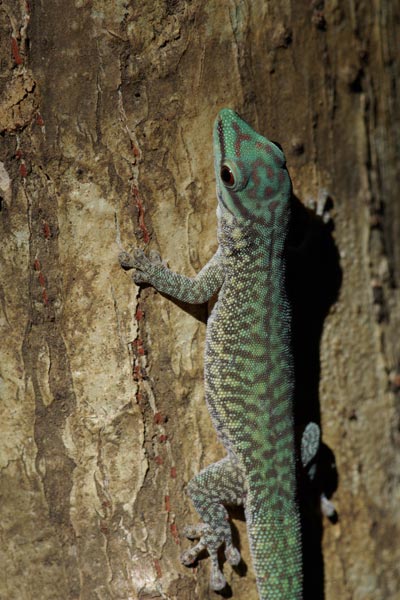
[(167, 504), (139, 314), (23, 170), (159, 460), (42, 280), (158, 418), (36, 265), (45, 297), (157, 567), (174, 531), (46, 230), (139, 205), (138, 344), (39, 120), (173, 472), (15, 51), (163, 438)]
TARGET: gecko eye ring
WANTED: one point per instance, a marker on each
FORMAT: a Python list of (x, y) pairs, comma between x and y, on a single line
[(231, 177)]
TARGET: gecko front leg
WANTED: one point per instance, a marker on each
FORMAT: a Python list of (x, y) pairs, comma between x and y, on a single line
[(152, 270)]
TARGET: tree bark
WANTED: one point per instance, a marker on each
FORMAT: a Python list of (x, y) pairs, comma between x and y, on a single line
[(106, 113)]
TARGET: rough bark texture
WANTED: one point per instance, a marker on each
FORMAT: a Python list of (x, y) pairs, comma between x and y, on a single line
[(106, 113)]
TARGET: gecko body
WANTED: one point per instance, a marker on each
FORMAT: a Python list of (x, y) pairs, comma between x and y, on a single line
[(249, 376)]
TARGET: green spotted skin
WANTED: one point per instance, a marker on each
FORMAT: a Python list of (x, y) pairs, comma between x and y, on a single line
[(248, 362)]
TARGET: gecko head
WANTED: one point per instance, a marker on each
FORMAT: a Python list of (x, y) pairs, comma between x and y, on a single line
[(252, 179)]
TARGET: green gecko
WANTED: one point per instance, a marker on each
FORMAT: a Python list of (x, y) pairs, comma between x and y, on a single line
[(249, 379)]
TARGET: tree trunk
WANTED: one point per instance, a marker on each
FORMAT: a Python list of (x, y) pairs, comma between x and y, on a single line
[(106, 114)]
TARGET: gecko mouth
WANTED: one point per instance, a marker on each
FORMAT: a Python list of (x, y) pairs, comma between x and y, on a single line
[(221, 200)]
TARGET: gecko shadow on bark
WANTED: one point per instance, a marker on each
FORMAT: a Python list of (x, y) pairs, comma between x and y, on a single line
[(314, 278)]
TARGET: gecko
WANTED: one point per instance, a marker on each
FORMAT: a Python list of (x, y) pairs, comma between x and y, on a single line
[(248, 365)]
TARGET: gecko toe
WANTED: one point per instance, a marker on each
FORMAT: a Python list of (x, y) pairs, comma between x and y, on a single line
[(155, 257), (232, 555), (217, 579), (125, 260)]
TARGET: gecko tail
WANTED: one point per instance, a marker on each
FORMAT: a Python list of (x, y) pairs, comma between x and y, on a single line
[(275, 544)]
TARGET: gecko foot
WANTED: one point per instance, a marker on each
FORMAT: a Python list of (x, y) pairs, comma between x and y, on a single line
[(210, 541), (217, 579), (143, 267)]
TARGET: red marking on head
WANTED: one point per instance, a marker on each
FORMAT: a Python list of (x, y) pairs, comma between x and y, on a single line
[(269, 192), (46, 230), (254, 173), (36, 265), (252, 193), (240, 138), (15, 51), (272, 206), (270, 172)]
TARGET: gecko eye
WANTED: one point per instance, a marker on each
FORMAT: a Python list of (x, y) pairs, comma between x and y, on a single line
[(233, 175), (227, 176)]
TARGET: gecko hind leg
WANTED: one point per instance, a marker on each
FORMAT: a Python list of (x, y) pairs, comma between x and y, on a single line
[(218, 485)]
